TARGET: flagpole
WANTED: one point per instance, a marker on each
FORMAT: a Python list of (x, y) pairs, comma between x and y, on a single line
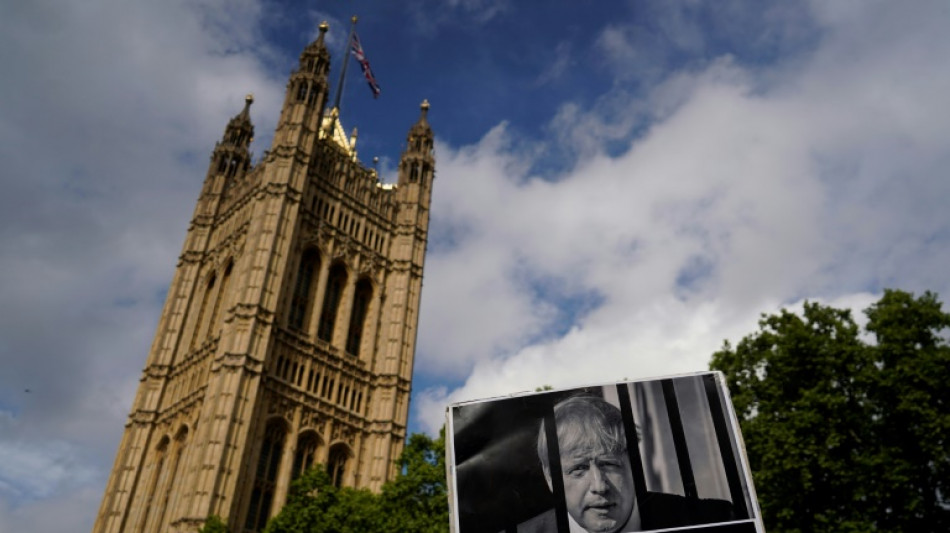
[(346, 61)]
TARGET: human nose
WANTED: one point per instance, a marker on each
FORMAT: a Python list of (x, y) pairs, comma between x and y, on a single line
[(598, 485)]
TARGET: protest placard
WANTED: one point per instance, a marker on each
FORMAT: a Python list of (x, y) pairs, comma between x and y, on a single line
[(559, 461)]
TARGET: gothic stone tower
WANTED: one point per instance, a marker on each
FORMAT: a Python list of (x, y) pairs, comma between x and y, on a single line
[(288, 334)]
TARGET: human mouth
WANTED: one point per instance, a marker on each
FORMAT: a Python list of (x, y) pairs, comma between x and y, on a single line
[(600, 507)]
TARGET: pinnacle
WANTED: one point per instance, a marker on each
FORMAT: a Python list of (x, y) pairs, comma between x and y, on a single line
[(423, 122), (318, 44), (246, 112)]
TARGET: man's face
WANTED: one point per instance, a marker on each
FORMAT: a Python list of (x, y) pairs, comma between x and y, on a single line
[(598, 489)]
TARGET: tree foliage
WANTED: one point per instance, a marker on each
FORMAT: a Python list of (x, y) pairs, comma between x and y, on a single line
[(214, 524), (417, 500), (843, 433), (414, 502)]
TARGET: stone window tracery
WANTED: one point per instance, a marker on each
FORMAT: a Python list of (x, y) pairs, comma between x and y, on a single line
[(157, 472), (306, 453), (166, 485), (265, 477), (301, 302), (205, 299), (222, 294), (336, 281), (336, 464), (361, 300)]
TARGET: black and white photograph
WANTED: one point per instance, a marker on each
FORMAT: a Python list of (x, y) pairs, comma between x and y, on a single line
[(562, 461)]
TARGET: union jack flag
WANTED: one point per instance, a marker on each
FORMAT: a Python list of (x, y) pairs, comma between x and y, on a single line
[(357, 50)]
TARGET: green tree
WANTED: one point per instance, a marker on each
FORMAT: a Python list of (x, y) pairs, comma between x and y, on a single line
[(315, 505), (417, 500), (414, 502), (214, 524), (912, 393), (845, 435)]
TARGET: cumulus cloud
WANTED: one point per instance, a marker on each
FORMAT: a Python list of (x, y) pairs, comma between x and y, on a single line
[(761, 187), (110, 109), (28, 472), (60, 512)]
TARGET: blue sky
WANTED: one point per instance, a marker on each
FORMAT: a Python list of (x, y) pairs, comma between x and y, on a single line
[(620, 186)]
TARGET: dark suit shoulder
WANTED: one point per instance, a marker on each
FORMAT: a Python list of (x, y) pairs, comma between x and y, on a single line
[(545, 522), (672, 510)]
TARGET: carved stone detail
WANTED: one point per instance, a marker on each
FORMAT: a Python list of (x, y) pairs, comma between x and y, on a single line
[(343, 432), (311, 419), (280, 406)]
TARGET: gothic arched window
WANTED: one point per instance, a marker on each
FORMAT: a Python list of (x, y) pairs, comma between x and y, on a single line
[(205, 299), (336, 464), (158, 472), (222, 294), (306, 453), (336, 281), (168, 486), (300, 303), (265, 478), (361, 299)]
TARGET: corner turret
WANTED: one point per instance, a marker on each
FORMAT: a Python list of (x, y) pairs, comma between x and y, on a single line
[(417, 163), (417, 171), (230, 161), (304, 99), (232, 156)]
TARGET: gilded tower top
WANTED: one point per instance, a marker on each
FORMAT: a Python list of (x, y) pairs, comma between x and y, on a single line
[(332, 129)]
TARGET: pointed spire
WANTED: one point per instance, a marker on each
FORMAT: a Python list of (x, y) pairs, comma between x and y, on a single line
[(315, 58), (420, 134), (323, 31), (245, 114), (417, 160), (320, 43), (421, 127), (240, 129), (231, 157), (424, 110)]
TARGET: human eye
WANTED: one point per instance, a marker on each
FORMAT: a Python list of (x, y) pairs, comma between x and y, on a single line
[(577, 470)]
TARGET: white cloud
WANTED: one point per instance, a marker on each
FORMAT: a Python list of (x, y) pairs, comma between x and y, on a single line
[(28, 472), (70, 511), (110, 109), (819, 179)]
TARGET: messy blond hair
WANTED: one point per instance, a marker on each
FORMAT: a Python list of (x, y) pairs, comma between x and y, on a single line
[(586, 423)]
